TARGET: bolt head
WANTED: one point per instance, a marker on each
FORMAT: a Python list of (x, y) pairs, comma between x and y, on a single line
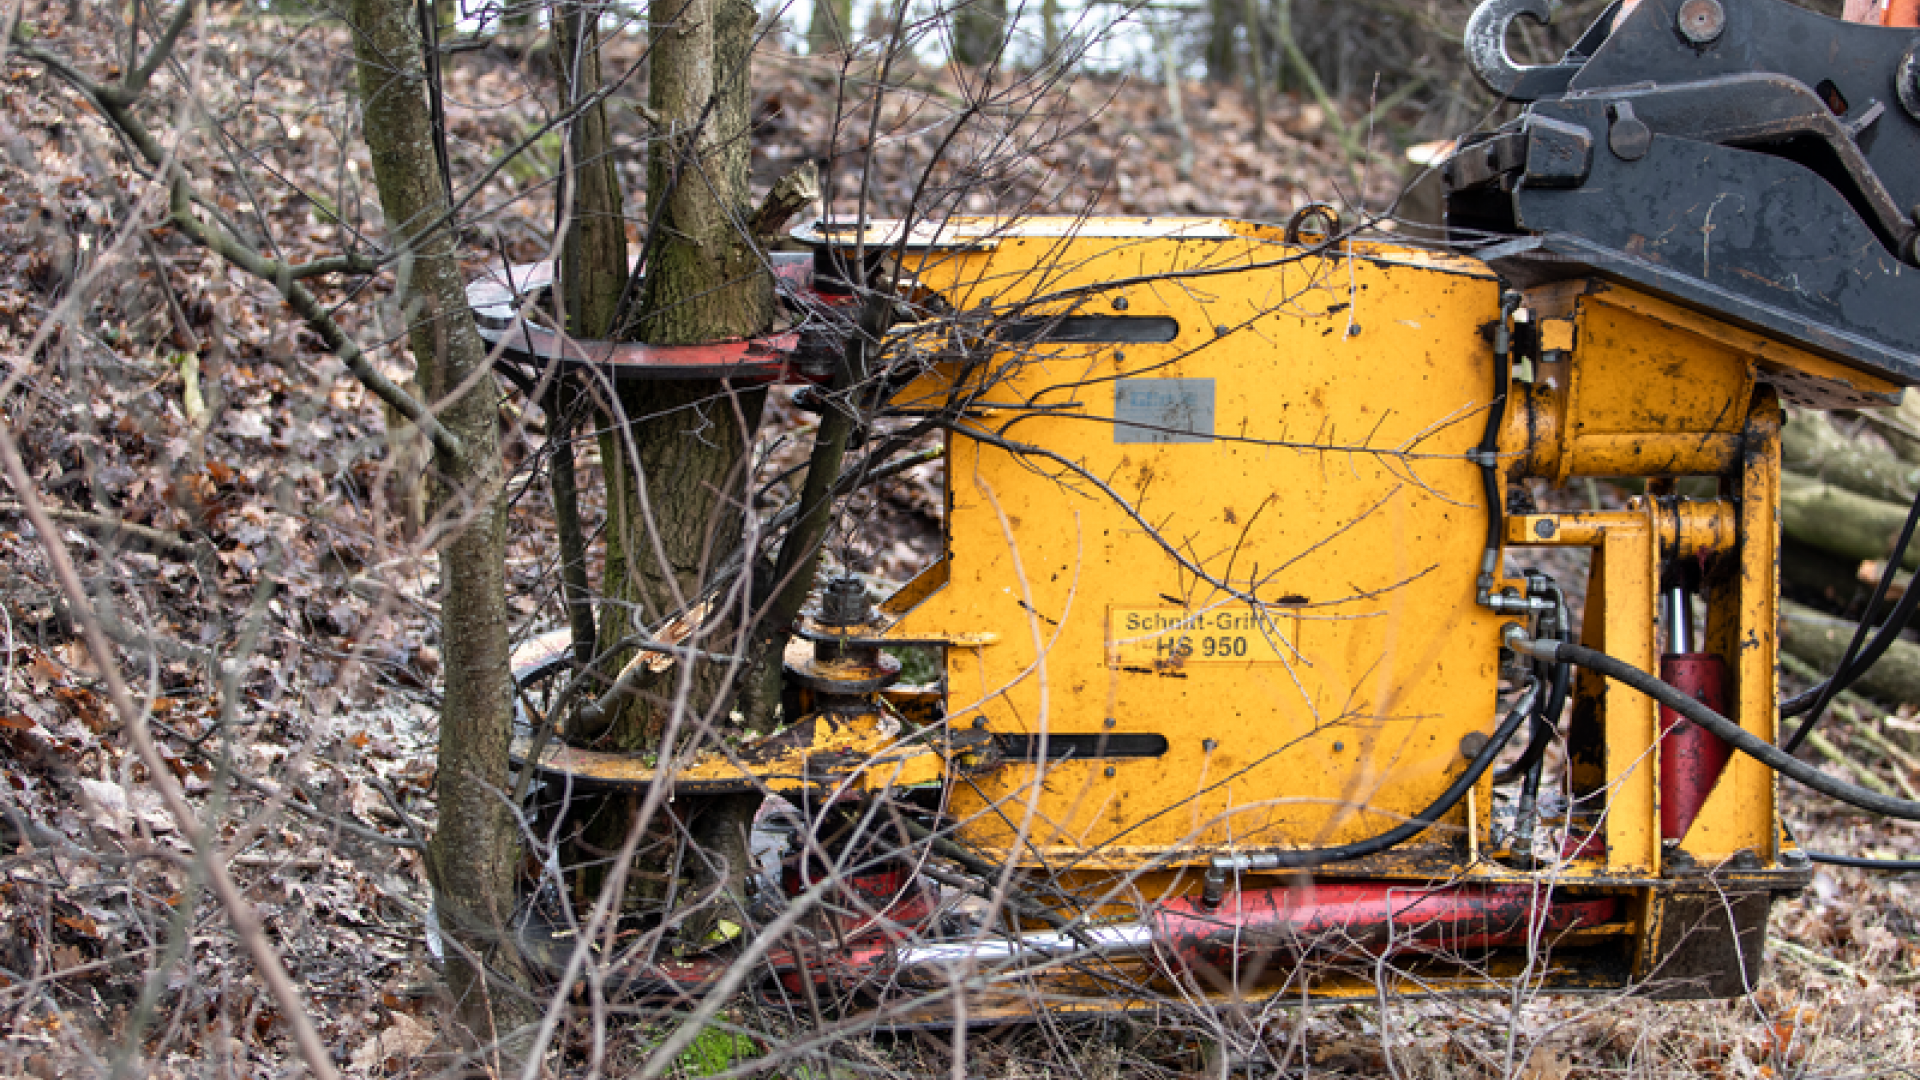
[(1701, 22)]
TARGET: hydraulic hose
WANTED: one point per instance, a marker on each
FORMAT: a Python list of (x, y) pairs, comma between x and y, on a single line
[(1489, 447), (1897, 866), (1558, 678), (1733, 734), (1306, 858), (1545, 719)]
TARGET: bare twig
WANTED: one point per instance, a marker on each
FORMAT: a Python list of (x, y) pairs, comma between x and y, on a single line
[(246, 921)]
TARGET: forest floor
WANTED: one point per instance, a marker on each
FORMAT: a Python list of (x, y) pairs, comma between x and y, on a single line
[(162, 390)]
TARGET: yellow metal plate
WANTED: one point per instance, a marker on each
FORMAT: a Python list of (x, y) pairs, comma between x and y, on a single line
[(1301, 437)]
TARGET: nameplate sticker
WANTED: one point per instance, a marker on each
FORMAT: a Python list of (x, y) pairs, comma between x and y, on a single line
[(1170, 638), (1163, 411)]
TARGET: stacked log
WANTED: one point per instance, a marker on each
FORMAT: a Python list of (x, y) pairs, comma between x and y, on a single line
[(1844, 496)]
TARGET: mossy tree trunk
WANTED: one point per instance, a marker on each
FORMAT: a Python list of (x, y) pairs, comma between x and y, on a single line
[(593, 252), (473, 852), (831, 26), (678, 456), (979, 31), (678, 467)]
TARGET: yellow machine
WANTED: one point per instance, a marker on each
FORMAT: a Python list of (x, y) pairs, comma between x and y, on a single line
[(1243, 598)]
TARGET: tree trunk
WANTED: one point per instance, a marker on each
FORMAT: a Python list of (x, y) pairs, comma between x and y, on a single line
[(979, 31), (593, 253), (831, 27), (1900, 426), (677, 473), (1223, 21), (679, 468), (1256, 74), (473, 851), (1176, 107), (704, 281)]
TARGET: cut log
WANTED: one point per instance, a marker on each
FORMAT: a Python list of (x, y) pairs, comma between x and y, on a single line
[(1811, 445), (1844, 522), (1820, 639), (1900, 426), (1869, 575)]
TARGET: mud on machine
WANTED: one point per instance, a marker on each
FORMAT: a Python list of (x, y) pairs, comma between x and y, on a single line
[(1248, 666)]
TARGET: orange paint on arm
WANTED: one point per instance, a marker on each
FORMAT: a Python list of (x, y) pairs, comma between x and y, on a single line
[(1882, 12)]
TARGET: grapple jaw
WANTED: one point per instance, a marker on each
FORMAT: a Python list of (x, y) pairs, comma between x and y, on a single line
[(1745, 158)]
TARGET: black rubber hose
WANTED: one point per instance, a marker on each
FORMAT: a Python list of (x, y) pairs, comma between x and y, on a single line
[(1854, 663), (1546, 720), (1733, 734), (1419, 823), (1854, 861), (1489, 446)]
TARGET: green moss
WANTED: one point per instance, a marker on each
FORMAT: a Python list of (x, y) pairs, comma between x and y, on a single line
[(919, 664), (714, 1051)]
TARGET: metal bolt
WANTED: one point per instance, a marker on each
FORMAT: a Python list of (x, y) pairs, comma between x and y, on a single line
[(844, 602), (1339, 746), (1109, 723), (1119, 303), (1208, 745), (1702, 21), (1544, 528), (979, 723), (1111, 771)]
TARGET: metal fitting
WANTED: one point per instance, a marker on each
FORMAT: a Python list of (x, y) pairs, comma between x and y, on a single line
[(1515, 637), (844, 602)]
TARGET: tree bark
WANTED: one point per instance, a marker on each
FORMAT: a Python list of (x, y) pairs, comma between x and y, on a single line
[(472, 855), (704, 281), (679, 463), (593, 253), (831, 26), (677, 472), (979, 32), (1223, 21), (1256, 74)]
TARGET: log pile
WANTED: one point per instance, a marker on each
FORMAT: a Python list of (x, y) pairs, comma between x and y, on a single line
[(1846, 490)]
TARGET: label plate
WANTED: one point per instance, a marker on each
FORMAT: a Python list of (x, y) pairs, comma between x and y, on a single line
[(1167, 638), (1163, 411)]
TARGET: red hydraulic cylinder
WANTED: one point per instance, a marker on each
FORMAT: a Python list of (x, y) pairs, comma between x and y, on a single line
[(1691, 757), (1366, 917)]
